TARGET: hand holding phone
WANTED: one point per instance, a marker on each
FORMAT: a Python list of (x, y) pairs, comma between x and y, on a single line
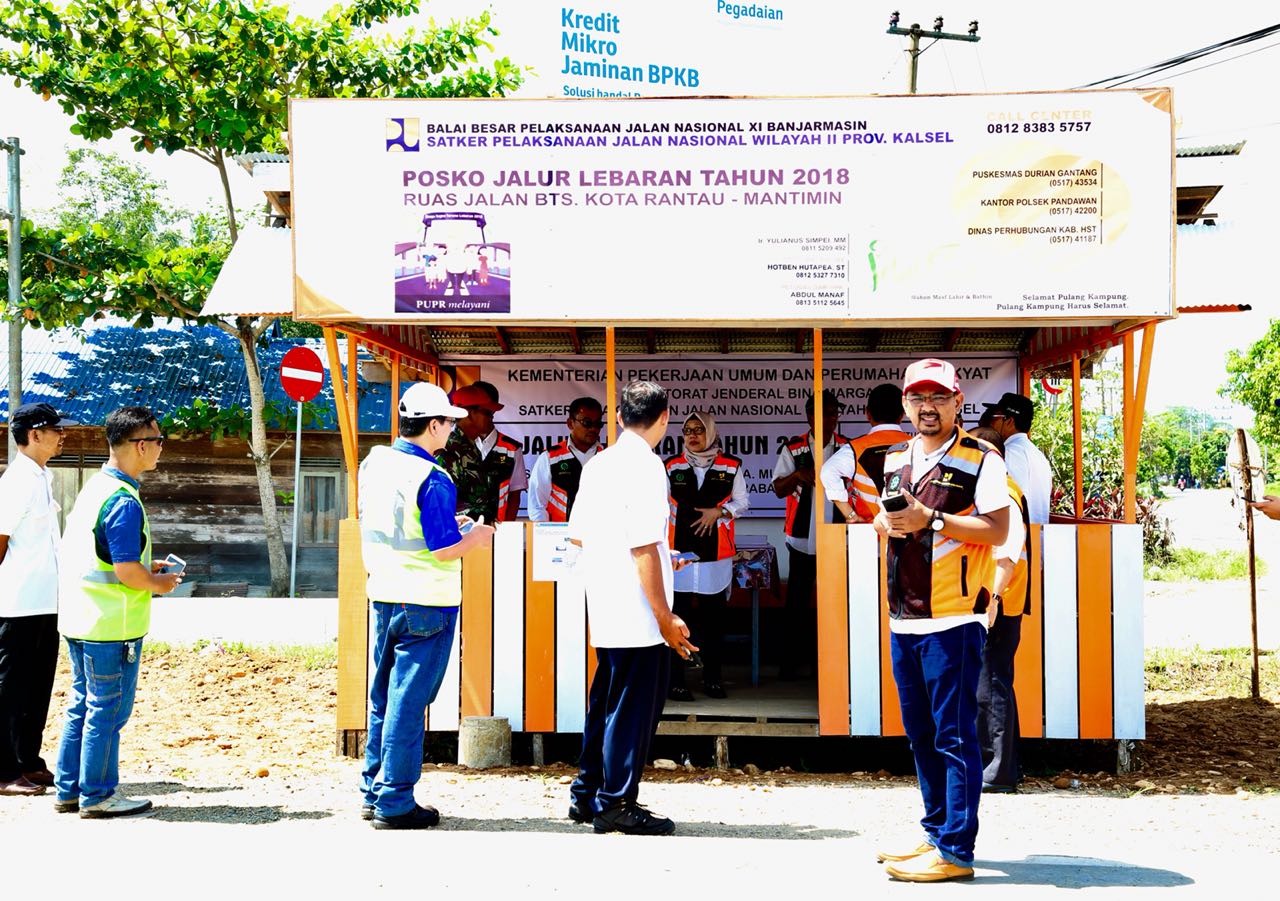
[(894, 503), (173, 565)]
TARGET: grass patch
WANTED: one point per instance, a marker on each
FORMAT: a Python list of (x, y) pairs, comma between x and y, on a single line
[(1191, 565), (311, 657), (1273, 489), (1212, 674)]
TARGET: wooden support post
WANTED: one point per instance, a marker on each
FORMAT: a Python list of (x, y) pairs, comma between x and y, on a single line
[(611, 383), (818, 444), (722, 752), (350, 449), (395, 397), (1130, 415), (1077, 438)]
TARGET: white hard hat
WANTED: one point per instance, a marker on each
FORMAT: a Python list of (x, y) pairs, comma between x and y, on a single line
[(423, 400)]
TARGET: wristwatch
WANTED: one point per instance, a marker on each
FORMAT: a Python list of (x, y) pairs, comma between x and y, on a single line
[(935, 521)]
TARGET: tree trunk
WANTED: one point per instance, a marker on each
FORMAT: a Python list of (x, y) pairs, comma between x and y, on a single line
[(262, 460)]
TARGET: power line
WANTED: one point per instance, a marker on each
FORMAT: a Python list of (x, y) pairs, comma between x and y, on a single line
[(1183, 58), (1219, 62)]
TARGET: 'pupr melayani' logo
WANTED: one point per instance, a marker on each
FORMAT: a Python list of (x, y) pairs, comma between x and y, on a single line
[(402, 136)]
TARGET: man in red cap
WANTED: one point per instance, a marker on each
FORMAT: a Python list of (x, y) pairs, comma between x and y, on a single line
[(945, 505), (486, 465)]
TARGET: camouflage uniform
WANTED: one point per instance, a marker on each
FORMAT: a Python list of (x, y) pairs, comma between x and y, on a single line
[(461, 458)]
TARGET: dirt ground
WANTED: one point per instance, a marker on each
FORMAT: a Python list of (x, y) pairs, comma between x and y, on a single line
[(228, 716)]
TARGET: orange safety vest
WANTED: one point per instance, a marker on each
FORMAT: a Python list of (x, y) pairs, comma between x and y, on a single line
[(930, 574), (800, 501), (869, 452), (1016, 600), (500, 465), (687, 496), (566, 473)]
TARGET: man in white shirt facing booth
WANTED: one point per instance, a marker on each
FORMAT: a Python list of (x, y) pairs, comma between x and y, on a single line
[(29, 539), (620, 521)]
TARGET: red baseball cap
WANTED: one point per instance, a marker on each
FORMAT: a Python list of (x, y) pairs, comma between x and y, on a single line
[(473, 396), (931, 372)]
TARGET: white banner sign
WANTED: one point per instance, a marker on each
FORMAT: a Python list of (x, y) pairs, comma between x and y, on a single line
[(758, 402), (979, 207)]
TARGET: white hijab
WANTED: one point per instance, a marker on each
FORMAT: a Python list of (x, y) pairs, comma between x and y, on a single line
[(704, 458)]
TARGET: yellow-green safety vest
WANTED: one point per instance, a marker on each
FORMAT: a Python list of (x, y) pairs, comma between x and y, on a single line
[(402, 570), (93, 604)]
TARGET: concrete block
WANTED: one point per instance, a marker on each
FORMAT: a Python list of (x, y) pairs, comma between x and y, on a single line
[(484, 741)]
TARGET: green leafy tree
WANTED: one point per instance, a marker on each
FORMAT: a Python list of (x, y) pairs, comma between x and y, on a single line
[(101, 187), (211, 78), (1209, 457), (1253, 380)]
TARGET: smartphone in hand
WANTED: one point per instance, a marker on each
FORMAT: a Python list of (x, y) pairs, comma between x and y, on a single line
[(894, 503), (685, 557), (173, 565)]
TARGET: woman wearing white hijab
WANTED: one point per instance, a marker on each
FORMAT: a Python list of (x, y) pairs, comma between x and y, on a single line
[(708, 492)]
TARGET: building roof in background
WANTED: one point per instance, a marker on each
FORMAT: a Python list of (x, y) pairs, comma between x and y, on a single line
[(1212, 150), (87, 374)]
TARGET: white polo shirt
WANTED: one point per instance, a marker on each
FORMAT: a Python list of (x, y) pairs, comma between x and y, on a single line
[(621, 504), (1030, 469), (29, 516)]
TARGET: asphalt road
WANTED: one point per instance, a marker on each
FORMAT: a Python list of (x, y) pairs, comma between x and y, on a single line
[(506, 837)]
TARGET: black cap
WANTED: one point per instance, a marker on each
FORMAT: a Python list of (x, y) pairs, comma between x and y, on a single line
[(1017, 406), (829, 402), (38, 416)]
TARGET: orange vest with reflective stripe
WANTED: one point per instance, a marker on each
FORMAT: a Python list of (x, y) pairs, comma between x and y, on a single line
[(869, 451), (1016, 600), (930, 574), (566, 473), (501, 462), (800, 501), (687, 496)]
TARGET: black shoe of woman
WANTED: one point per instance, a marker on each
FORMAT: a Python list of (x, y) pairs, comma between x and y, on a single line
[(679, 693), (714, 690)]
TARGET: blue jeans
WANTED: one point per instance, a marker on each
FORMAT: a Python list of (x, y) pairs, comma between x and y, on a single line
[(104, 679), (410, 652), (937, 678)]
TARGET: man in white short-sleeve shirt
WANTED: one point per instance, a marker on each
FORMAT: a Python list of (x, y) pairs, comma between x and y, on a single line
[(1011, 418), (944, 508), (28, 597), (620, 521)]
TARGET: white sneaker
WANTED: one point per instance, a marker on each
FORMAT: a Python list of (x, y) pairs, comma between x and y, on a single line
[(115, 806)]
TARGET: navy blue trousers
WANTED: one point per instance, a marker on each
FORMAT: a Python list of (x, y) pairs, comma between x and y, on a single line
[(998, 705), (627, 694), (937, 678)]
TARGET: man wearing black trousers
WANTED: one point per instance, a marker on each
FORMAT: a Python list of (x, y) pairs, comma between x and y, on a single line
[(620, 521)]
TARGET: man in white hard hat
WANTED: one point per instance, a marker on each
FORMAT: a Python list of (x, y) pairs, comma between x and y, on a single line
[(413, 543)]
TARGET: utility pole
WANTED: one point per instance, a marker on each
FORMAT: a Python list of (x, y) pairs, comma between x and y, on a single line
[(14, 214), (915, 33)]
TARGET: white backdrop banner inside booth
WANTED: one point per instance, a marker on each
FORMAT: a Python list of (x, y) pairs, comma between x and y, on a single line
[(758, 401), (969, 207)]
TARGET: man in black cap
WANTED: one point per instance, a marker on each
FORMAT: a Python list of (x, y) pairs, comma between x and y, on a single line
[(28, 597), (1011, 416)]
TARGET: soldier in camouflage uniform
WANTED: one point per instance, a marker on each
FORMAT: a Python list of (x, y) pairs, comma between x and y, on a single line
[(486, 465)]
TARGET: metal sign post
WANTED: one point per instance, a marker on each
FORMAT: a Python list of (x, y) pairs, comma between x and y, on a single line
[(302, 377)]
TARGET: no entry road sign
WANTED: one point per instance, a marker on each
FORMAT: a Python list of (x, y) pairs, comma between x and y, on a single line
[(301, 374)]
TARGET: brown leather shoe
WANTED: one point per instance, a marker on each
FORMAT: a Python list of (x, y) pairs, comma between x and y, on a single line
[(21, 788), (927, 868), (895, 856), (40, 777)]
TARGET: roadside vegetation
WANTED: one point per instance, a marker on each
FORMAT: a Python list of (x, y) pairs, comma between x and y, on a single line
[(1191, 565)]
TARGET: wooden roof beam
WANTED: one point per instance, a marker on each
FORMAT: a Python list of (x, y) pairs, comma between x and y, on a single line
[(575, 339), (651, 341), (504, 344), (950, 339)]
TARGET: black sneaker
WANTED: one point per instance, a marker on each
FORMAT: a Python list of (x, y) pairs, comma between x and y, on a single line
[(418, 818), (714, 690), (71, 805), (679, 693), (578, 815), (632, 819), (366, 811)]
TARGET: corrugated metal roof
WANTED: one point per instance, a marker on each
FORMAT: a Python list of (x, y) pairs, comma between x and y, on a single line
[(1212, 150), (88, 374)]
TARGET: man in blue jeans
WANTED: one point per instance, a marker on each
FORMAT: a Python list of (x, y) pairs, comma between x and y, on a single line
[(945, 504), (413, 545), (106, 580)]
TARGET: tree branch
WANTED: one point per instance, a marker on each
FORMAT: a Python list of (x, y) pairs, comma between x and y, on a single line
[(261, 327)]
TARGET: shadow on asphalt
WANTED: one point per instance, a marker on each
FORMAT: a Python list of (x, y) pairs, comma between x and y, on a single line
[(1081, 872), (145, 789), (684, 828), (235, 814)]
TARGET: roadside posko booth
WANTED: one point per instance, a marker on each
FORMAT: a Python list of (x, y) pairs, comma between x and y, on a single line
[(746, 254)]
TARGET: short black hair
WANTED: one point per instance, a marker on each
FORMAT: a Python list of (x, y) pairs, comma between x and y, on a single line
[(987, 419), (21, 434), (584, 403), (829, 402), (413, 426), (124, 422), (1022, 421), (884, 404), (488, 388), (989, 435), (642, 404)]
